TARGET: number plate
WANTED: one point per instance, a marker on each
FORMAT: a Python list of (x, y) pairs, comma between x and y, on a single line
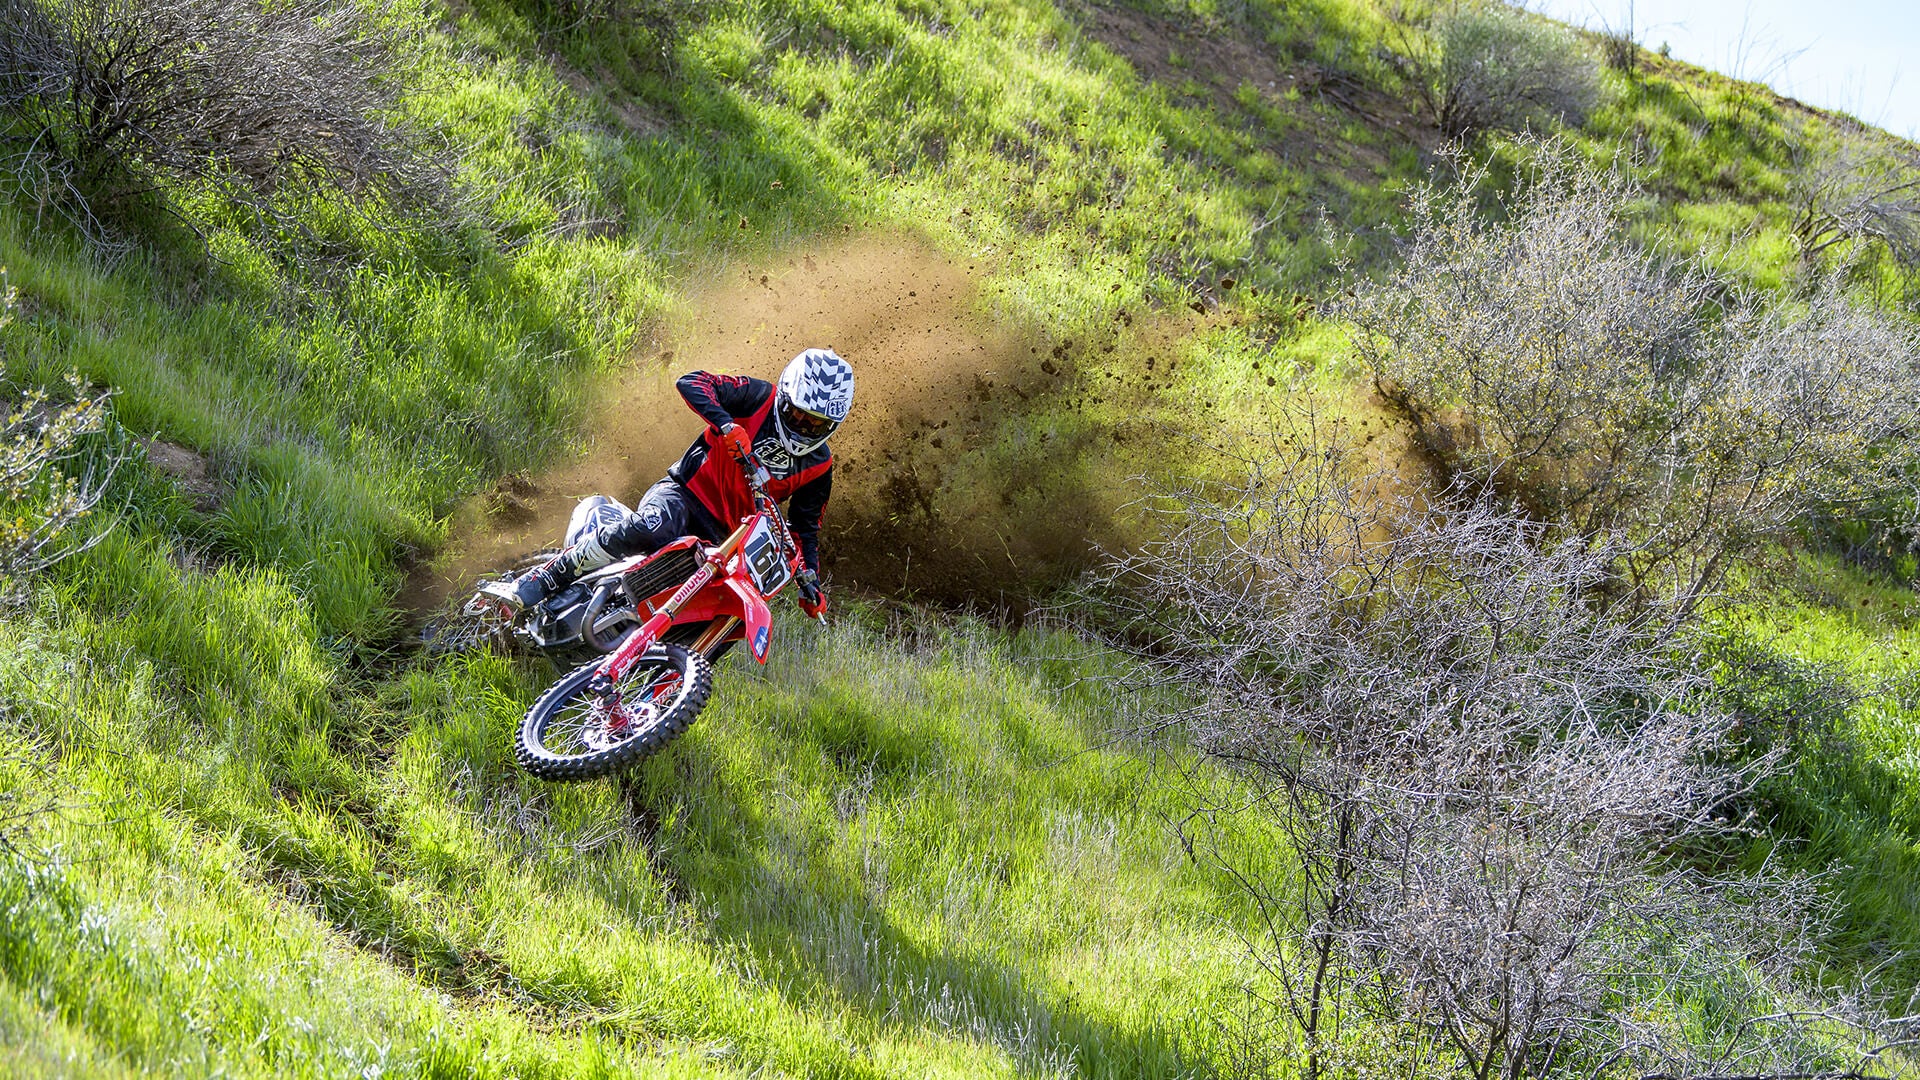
[(762, 554)]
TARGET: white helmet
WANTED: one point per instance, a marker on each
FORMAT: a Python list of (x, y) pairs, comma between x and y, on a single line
[(815, 392)]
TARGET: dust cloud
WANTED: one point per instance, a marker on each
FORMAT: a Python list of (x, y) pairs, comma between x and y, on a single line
[(965, 473)]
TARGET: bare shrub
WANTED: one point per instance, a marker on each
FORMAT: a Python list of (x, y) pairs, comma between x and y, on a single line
[(37, 438), (1482, 768), (662, 22), (107, 102), (1620, 50), (1610, 390), (1860, 218), (1847, 1038), (1495, 68), (1863, 198), (1620, 42)]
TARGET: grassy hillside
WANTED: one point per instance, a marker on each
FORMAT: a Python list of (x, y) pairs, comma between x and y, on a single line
[(882, 856), (250, 829)]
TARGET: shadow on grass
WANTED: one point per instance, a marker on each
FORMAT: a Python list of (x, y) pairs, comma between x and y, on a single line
[(878, 871), (1836, 810), (826, 938)]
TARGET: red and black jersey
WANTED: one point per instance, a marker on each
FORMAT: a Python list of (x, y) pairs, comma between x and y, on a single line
[(715, 481)]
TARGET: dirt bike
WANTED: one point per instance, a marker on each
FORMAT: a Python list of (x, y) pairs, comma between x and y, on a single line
[(651, 627)]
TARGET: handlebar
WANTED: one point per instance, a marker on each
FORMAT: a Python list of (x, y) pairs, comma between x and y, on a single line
[(757, 478)]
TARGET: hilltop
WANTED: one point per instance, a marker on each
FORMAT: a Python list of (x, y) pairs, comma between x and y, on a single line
[(251, 827)]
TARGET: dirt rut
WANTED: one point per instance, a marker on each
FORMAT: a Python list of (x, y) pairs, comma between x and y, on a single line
[(966, 474)]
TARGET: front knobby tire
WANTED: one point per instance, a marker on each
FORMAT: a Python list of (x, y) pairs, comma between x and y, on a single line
[(565, 735)]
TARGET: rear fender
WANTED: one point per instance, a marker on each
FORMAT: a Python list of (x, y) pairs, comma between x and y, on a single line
[(753, 612)]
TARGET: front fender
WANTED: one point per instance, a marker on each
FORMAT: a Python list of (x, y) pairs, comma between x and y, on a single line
[(754, 613)]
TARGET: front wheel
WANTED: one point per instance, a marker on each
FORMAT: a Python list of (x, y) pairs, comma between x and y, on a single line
[(574, 733)]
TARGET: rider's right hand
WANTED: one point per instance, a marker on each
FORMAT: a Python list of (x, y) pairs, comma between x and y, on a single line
[(734, 438), (814, 604)]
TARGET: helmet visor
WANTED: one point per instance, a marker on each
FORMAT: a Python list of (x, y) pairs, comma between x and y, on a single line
[(804, 424)]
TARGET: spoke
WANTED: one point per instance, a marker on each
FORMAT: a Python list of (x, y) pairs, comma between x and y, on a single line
[(582, 725), (568, 729), (658, 681)]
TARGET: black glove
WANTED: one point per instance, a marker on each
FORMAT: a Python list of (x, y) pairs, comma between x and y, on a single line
[(813, 595)]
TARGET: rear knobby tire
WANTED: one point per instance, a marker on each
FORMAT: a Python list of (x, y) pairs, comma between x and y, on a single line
[(559, 739), (477, 621)]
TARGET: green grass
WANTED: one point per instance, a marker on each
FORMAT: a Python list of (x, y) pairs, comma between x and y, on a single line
[(877, 856), (277, 843), (278, 852), (1848, 804)]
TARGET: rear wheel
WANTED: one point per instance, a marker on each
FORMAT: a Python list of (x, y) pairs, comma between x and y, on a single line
[(478, 621), (573, 733)]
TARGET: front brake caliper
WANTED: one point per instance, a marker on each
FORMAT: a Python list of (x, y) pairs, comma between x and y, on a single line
[(615, 721)]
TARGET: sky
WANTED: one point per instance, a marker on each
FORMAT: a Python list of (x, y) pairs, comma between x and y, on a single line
[(1858, 56)]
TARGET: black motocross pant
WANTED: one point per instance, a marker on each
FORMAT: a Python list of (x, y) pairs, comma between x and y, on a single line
[(664, 514)]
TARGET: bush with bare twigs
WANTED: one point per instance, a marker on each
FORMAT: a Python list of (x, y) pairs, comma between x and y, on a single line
[(106, 103), (1620, 50), (664, 22), (1497, 69), (1620, 42), (1608, 389), (1482, 766), (1865, 203), (39, 501)]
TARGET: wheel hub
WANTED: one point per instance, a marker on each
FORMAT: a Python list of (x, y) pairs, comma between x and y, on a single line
[(611, 721)]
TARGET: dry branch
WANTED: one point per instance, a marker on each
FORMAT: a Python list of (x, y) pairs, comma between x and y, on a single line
[(106, 103), (1613, 391), (1482, 760), (40, 499)]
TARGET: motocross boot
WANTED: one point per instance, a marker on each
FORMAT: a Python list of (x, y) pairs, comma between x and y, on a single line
[(578, 558)]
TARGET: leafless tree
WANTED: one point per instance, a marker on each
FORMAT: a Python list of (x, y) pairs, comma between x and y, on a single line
[(108, 102), (1481, 759), (1866, 197), (1611, 390)]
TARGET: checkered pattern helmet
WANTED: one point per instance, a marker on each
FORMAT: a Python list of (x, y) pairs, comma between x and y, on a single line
[(814, 394)]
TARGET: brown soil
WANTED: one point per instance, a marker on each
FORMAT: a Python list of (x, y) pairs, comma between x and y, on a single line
[(964, 475), (188, 468)]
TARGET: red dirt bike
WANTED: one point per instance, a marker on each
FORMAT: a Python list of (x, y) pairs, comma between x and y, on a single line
[(654, 625)]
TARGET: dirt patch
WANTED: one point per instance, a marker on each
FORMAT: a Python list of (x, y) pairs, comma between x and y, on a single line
[(189, 469), (981, 463), (967, 472), (639, 120)]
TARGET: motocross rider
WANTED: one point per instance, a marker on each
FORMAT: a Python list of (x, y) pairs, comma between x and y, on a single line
[(785, 425)]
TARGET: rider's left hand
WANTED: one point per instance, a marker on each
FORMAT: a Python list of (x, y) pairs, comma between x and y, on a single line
[(813, 596)]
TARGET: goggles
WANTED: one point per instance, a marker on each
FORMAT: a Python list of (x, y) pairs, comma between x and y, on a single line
[(804, 424)]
